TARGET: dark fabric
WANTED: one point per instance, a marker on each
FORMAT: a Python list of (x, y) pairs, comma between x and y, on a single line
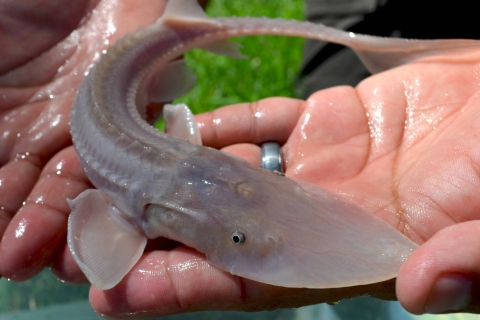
[(326, 65)]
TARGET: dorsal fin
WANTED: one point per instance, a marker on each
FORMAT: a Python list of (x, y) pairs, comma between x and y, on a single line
[(184, 10), (191, 12)]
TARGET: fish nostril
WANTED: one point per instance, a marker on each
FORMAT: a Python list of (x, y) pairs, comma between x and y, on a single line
[(238, 238)]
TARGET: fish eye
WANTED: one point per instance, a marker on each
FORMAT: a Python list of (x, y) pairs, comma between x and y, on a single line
[(238, 238)]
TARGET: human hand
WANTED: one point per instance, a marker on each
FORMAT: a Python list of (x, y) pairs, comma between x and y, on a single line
[(402, 145), (338, 154), (47, 47)]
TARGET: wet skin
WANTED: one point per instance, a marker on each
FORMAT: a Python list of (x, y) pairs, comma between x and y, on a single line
[(403, 144)]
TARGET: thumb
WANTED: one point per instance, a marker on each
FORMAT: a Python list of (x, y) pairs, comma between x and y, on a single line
[(443, 274)]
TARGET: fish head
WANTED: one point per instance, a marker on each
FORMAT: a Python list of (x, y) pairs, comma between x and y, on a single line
[(266, 227), (232, 241)]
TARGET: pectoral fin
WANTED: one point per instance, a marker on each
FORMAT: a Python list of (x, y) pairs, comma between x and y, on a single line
[(104, 245)]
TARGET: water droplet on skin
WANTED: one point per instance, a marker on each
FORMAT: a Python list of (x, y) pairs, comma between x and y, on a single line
[(22, 156), (39, 200), (304, 125), (38, 136), (55, 121), (21, 228)]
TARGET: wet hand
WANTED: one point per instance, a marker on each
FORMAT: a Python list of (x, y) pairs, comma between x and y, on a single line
[(402, 144), (41, 67)]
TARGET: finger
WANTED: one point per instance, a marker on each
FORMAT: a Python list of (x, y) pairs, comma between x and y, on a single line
[(65, 268), (164, 277), (38, 230), (444, 273), (17, 179), (271, 119), (27, 146), (170, 282), (246, 151)]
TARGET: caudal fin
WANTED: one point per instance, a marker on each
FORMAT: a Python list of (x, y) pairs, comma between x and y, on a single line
[(104, 245)]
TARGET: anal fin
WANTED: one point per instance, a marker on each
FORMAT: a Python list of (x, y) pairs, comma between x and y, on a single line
[(180, 122)]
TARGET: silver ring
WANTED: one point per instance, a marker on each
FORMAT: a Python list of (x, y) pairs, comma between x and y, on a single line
[(272, 157)]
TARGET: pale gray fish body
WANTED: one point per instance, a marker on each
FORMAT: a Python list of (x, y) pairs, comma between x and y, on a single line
[(151, 184)]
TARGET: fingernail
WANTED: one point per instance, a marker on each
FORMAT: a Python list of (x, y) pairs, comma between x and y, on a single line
[(450, 292)]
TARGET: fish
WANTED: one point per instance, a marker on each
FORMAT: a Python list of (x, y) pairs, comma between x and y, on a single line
[(248, 221)]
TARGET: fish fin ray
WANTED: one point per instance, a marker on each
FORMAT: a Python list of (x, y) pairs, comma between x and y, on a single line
[(104, 245), (171, 81), (180, 122), (227, 48)]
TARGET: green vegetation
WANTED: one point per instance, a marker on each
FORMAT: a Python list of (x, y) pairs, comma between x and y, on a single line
[(270, 70)]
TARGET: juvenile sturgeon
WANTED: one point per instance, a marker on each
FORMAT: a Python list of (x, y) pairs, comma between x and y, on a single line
[(248, 221)]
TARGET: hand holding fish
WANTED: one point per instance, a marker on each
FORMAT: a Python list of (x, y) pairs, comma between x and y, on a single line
[(419, 166), (41, 68), (401, 145)]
